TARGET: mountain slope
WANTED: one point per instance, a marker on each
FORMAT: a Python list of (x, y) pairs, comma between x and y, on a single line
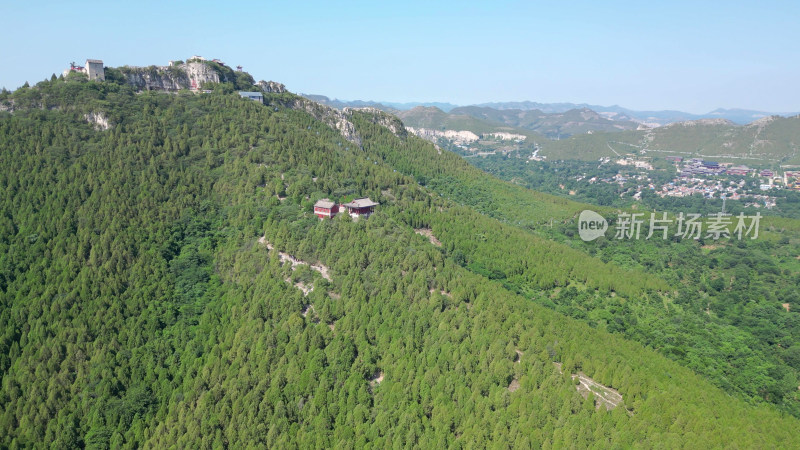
[(770, 140), (145, 303), (482, 120), (434, 118), (553, 125), (639, 302)]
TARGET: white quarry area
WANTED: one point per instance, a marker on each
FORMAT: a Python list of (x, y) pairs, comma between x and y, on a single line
[(502, 135), (457, 137), (463, 137)]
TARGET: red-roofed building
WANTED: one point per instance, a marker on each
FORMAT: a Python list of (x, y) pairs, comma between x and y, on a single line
[(360, 207), (326, 208)]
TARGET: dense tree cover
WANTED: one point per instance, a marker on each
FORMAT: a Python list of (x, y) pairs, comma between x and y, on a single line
[(695, 307), (731, 293), (139, 309)]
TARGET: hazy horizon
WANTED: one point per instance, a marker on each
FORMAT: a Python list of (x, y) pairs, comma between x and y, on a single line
[(389, 102), (680, 56)]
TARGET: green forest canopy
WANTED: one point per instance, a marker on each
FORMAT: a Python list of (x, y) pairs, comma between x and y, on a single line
[(139, 309)]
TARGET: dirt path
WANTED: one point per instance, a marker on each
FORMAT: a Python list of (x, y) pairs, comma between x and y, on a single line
[(306, 288), (323, 270), (427, 232), (285, 257), (263, 241), (603, 395)]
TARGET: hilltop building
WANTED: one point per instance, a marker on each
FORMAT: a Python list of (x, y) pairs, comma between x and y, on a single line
[(94, 69), (256, 96)]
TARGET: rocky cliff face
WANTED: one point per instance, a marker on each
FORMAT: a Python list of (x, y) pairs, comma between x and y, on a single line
[(271, 87), (334, 118), (195, 73), (457, 137), (381, 118), (340, 120), (173, 78)]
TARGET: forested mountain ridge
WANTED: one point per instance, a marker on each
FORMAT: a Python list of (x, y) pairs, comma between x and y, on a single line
[(552, 125), (770, 140), (138, 307)]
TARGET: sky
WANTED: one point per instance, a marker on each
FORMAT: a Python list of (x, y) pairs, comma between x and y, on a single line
[(644, 55)]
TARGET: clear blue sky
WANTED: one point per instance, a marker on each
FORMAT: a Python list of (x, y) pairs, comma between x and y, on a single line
[(691, 56)]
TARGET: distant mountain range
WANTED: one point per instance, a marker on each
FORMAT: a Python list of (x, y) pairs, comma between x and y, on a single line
[(484, 119), (480, 120), (663, 117), (580, 131), (614, 112)]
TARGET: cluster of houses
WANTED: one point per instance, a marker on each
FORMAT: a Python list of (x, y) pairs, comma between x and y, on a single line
[(707, 188), (697, 166), (360, 207)]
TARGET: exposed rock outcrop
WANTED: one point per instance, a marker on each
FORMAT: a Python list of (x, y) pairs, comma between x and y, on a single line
[(340, 120), (99, 120), (457, 137), (271, 87), (383, 119), (504, 136), (172, 78)]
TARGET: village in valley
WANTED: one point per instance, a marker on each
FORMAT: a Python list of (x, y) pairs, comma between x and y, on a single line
[(697, 176)]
